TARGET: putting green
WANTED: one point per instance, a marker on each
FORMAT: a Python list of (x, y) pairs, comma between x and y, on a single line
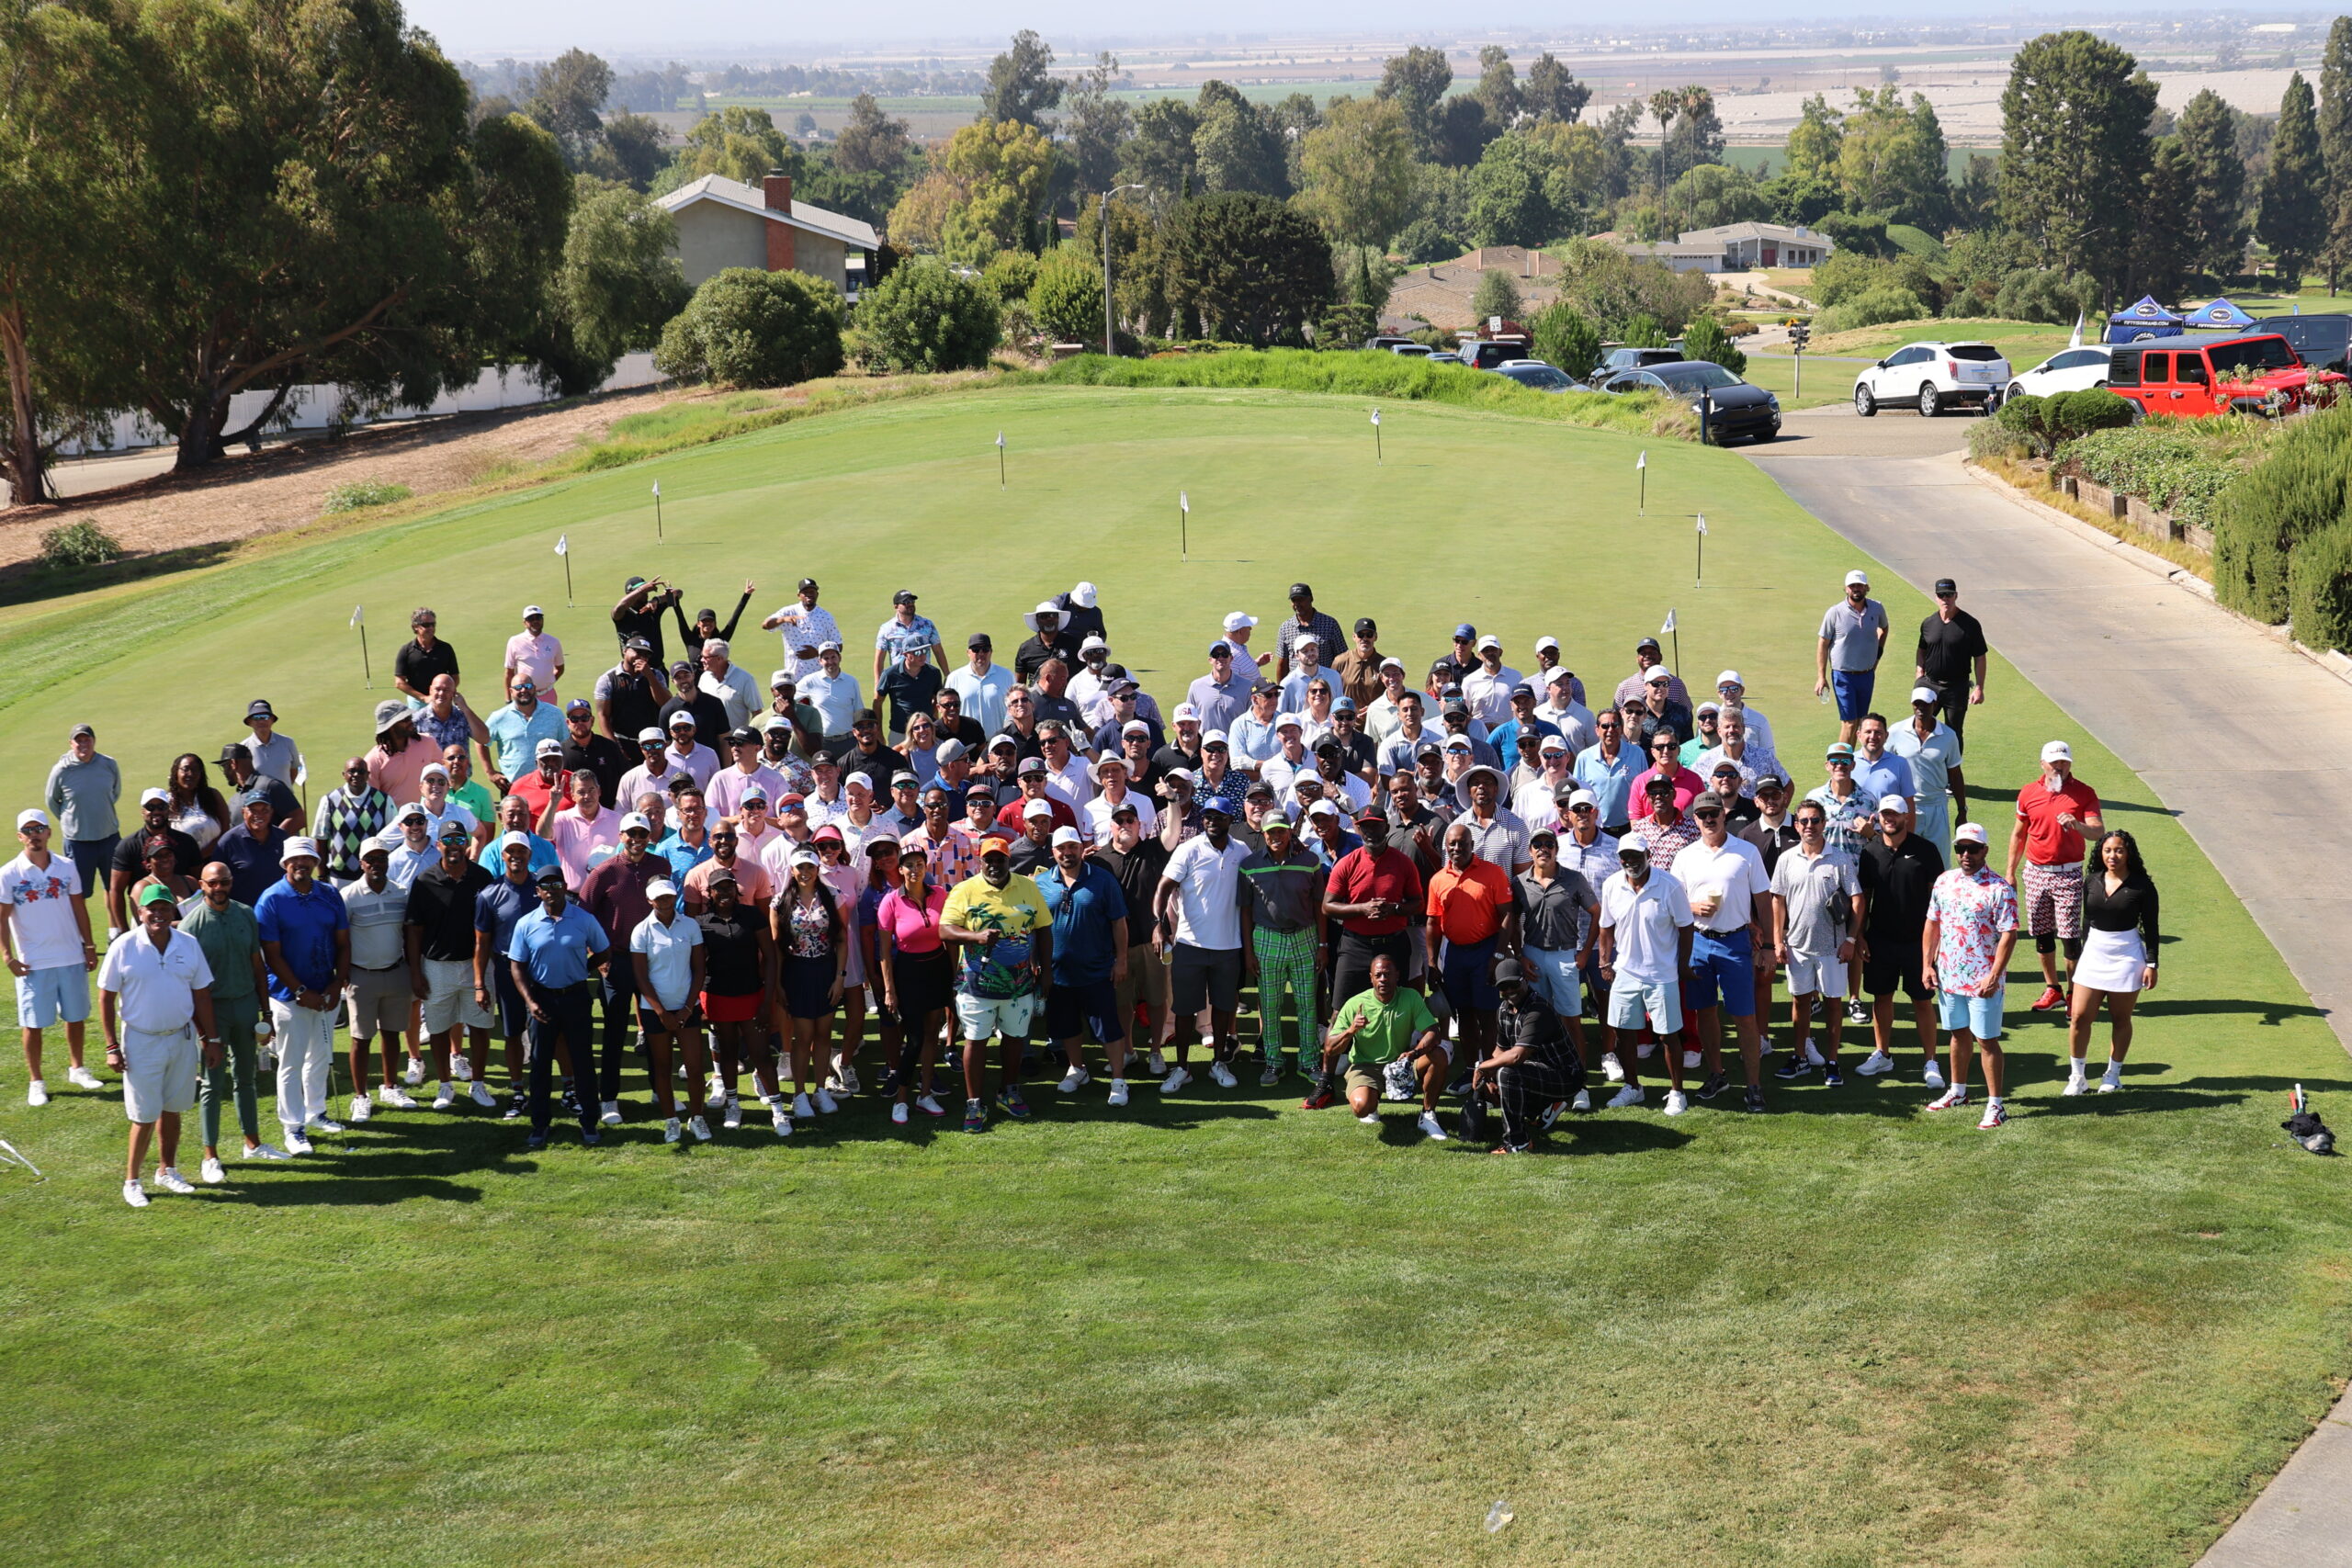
[(1209, 1329)]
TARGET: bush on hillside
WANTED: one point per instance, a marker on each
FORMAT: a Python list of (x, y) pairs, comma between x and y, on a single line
[(1705, 338), (2319, 588), (1497, 295), (1914, 241), (748, 328), (1011, 273), (924, 317), (79, 543), (1065, 296), (2044, 294), (1989, 439), (1872, 307), (2180, 466), (1566, 339), (2268, 511), (353, 494), (2049, 422)]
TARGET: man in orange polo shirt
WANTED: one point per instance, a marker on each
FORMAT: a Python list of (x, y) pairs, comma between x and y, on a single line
[(1471, 907), (2053, 813)]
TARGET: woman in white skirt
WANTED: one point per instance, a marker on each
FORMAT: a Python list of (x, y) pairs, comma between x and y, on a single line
[(2118, 957)]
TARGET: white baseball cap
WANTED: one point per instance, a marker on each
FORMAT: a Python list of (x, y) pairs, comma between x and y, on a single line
[(649, 735), (660, 887), (1187, 712), (1858, 578), (636, 820), (1544, 642), (1238, 621), (1288, 720), (1489, 641), (1894, 803), (1133, 726), (32, 817), (1658, 675), (1067, 835), (1560, 673), (147, 796), (2057, 751), (1392, 662), (1552, 743), (1729, 678), (532, 610), (1322, 809), (1968, 833), (431, 769), (1925, 694), (1037, 808), (1582, 798)]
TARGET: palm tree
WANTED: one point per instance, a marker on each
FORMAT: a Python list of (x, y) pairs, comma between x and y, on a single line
[(1664, 104)]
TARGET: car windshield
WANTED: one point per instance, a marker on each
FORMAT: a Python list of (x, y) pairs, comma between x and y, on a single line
[(1696, 377), (1536, 375), (1978, 350), (2252, 354)]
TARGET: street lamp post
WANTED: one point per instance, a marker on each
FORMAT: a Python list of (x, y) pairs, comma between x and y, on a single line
[(1108, 346)]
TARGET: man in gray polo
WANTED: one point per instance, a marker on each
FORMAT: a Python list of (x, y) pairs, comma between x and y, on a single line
[(84, 788)]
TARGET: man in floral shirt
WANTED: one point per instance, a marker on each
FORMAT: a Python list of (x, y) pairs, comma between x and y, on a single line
[(1972, 927)]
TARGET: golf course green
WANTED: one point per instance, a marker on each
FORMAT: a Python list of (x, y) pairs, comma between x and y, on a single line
[(1213, 1328)]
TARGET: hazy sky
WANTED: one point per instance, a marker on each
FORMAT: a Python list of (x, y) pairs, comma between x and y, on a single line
[(480, 28)]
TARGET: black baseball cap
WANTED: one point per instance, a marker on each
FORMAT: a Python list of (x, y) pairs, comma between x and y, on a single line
[(1648, 642), (1944, 586), (1366, 625), (904, 596), (979, 640), (806, 584), (1301, 591)]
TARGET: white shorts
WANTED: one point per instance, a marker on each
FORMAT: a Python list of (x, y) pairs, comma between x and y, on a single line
[(449, 997), (984, 1016), (159, 1072), (1657, 1003), (1810, 977)]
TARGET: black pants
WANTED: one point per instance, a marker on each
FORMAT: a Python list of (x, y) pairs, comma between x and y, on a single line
[(619, 992), (568, 1020), (1530, 1086), (1952, 705), (1351, 963)]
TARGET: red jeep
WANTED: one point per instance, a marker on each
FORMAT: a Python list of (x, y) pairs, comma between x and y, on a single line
[(2258, 373)]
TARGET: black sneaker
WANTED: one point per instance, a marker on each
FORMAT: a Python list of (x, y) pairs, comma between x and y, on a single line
[(590, 1136), (1831, 1078), (1858, 1011), (534, 1144), (1755, 1098), (1717, 1083), (1794, 1068), (515, 1109)]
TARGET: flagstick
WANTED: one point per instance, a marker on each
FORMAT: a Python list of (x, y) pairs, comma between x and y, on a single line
[(1676, 637), (567, 582), (1701, 577), (365, 668), (657, 522), (1184, 532), (999, 460)]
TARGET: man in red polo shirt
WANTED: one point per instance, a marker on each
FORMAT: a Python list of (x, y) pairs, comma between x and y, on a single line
[(1373, 894), (2054, 812), (1470, 905)]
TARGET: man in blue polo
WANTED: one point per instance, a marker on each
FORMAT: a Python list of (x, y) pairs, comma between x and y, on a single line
[(306, 941), (552, 954), (1090, 961), (516, 729)]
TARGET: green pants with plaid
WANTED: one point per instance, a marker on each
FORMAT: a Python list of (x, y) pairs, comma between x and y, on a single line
[(1286, 966)]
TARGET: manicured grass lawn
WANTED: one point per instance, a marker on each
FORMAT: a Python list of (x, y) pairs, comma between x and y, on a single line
[(1214, 1329)]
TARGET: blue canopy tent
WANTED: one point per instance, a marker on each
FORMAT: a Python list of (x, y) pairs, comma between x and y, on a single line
[(2220, 316), (2143, 320)]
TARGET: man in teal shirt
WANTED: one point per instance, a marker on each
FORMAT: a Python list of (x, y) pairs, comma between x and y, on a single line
[(230, 938)]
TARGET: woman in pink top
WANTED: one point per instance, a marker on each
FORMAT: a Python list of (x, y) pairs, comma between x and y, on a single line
[(847, 879), (917, 977)]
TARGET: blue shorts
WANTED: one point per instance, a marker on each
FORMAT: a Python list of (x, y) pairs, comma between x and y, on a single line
[(1084, 1009), (46, 998), (1853, 689), (1723, 973), (1981, 1016), (1555, 977), (94, 858), (1469, 978)]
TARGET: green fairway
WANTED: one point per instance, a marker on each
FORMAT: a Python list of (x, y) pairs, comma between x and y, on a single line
[(1213, 1328)]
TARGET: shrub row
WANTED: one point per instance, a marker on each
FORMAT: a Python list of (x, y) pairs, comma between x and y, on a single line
[(2282, 538), (2180, 466)]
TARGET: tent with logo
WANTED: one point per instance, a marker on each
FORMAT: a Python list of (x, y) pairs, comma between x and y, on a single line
[(2143, 320), (2220, 316)]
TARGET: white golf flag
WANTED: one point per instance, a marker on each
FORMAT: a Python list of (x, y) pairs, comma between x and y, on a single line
[(1184, 503), (1000, 440), (1644, 460), (657, 487), (2076, 340), (563, 544), (1669, 624), (1375, 416), (355, 614), (1703, 522), (301, 773)]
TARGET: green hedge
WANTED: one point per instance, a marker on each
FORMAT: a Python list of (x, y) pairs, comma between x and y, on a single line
[(2267, 512), (2050, 422), (2181, 466), (2319, 588)]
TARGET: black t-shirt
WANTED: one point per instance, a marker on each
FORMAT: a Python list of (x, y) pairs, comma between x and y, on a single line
[(909, 693), (1947, 650), (442, 907), (730, 946), (879, 766), (130, 855), (645, 623), (1772, 840), (1029, 857), (1138, 872), (1170, 757), (1896, 888), (418, 666), (708, 713), (601, 756), (631, 703), (1038, 650)]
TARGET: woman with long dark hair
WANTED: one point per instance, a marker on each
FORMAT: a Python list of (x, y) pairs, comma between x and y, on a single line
[(198, 809), (812, 957), (917, 978), (736, 976), (2118, 957)]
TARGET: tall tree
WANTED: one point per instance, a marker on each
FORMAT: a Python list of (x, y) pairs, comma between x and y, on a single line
[(1664, 105), (2074, 119), (1001, 169), (1160, 156), (738, 141), (2335, 146), (1020, 88), (2295, 217), (1551, 92), (1417, 80), (1698, 134), (1357, 172), (1497, 90), (2207, 129), (1295, 119), (627, 149), (1098, 126), (1892, 159), (1507, 205), (2163, 257), (619, 285), (1255, 269), (870, 140), (1816, 138), (1237, 146), (566, 98)]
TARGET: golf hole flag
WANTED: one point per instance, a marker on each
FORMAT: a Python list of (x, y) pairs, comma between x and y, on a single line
[(1703, 522), (1376, 418), (657, 487), (563, 544), (1667, 629), (355, 616)]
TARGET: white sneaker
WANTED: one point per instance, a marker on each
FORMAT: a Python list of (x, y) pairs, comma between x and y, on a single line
[(395, 1098), (801, 1108), (782, 1122), (171, 1180), (679, 1072), (611, 1114), (483, 1097), (296, 1144), (2112, 1080), (929, 1105), (447, 1098), (1645, 1050), (462, 1069), (1691, 1059), (134, 1194), (1675, 1102), (826, 1102), (699, 1128), (266, 1152), (37, 1093), (211, 1172), (671, 1132), (1612, 1068), (322, 1124), (716, 1089), (833, 1081), (1223, 1074), (1950, 1100), (1157, 1062), (1074, 1080), (734, 1114), (1118, 1092), (1369, 1117), (1583, 1101), (1630, 1095), (1877, 1062), (1813, 1058), (1934, 1078), (1177, 1078), (82, 1077), (898, 1115), (849, 1079), (1996, 1115), (414, 1072), (2075, 1083), (1430, 1129)]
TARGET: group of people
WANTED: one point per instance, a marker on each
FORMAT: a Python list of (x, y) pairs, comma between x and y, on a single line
[(1426, 890)]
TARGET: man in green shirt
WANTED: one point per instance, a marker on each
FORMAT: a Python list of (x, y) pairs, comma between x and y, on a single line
[(230, 938), (1386, 1023), (469, 791)]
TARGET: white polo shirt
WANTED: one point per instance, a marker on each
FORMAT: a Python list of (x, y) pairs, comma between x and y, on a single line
[(1734, 874), (669, 955), (41, 902), (157, 986), (1644, 921), (1208, 893)]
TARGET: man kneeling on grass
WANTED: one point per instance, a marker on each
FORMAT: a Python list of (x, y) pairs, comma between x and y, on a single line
[(1372, 1029), (1533, 1071)]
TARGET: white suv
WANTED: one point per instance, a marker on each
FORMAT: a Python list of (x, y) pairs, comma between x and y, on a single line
[(1933, 375)]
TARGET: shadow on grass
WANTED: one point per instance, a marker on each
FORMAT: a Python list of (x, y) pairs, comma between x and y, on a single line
[(27, 581), (2272, 1012)]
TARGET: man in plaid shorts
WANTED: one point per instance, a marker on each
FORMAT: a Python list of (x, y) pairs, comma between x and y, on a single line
[(1281, 924), (2054, 812)]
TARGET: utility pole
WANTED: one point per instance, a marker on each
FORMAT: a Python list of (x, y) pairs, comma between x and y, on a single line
[(1108, 344)]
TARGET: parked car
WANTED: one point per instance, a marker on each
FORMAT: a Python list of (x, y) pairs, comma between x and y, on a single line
[(2068, 370), (1445, 357), (1935, 376), (1379, 341), (1491, 353), (2322, 341), (1411, 349), (1734, 409), (1622, 360), (1534, 373), (2258, 373)]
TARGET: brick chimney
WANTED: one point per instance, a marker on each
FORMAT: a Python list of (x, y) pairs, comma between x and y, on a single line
[(775, 187)]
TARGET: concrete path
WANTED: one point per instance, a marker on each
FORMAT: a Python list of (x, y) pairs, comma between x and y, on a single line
[(2192, 700)]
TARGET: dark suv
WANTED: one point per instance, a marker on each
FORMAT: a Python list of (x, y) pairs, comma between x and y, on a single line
[(1620, 359), (2320, 342)]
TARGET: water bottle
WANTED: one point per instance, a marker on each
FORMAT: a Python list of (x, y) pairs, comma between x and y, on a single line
[(1499, 1516)]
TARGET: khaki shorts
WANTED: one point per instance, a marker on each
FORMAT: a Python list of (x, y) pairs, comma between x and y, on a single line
[(449, 997), (1372, 1078), (159, 1072), (381, 1001)]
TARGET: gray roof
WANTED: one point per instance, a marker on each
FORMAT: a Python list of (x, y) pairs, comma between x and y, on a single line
[(1780, 233), (750, 199)]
